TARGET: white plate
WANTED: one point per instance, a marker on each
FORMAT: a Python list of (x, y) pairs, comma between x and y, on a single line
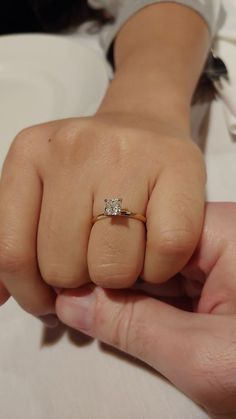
[(46, 77)]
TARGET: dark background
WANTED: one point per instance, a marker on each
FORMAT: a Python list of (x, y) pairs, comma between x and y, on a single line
[(17, 16)]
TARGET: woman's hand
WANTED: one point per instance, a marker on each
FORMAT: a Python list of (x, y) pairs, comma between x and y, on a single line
[(195, 351), (137, 147), (55, 179)]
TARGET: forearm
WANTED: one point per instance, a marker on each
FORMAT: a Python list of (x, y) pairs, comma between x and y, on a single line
[(159, 55)]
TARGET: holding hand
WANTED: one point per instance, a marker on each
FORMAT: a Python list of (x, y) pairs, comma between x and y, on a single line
[(195, 351)]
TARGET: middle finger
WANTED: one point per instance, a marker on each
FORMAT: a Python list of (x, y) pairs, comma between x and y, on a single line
[(64, 229)]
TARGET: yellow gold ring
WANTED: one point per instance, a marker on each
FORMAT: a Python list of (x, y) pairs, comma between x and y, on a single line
[(113, 209)]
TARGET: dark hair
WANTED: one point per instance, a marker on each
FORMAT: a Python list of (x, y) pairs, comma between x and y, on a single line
[(47, 15)]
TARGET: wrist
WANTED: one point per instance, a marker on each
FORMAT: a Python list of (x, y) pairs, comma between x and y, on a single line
[(148, 92), (158, 69)]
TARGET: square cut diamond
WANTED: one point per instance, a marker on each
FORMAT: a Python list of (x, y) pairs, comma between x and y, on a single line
[(113, 206)]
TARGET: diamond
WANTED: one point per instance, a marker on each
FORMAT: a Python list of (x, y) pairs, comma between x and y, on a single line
[(113, 206)]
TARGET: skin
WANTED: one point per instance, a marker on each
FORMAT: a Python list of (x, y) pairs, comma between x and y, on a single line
[(53, 182), (195, 350), (138, 146)]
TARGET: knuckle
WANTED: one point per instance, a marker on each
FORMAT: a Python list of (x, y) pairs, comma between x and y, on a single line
[(66, 136), (13, 261), (24, 146), (71, 144), (25, 134), (22, 143), (76, 143), (113, 275), (175, 243), (123, 327), (56, 278), (69, 133), (127, 330)]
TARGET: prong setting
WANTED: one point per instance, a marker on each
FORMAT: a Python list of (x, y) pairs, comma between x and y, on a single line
[(113, 206)]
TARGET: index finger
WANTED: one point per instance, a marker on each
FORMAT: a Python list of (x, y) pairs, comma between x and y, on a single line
[(20, 202)]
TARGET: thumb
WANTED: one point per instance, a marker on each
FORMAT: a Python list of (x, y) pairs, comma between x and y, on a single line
[(132, 322), (162, 336), (196, 352)]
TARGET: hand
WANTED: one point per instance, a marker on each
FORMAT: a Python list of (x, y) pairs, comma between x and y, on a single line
[(55, 179), (195, 351)]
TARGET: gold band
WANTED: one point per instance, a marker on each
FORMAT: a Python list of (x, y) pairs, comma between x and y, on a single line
[(124, 213)]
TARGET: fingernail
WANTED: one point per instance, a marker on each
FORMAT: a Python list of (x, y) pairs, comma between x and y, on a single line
[(50, 320), (77, 311)]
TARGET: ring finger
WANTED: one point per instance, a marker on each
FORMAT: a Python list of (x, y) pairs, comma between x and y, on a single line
[(117, 244)]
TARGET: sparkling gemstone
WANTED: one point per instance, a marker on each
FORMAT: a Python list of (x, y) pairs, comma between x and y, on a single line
[(113, 206)]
